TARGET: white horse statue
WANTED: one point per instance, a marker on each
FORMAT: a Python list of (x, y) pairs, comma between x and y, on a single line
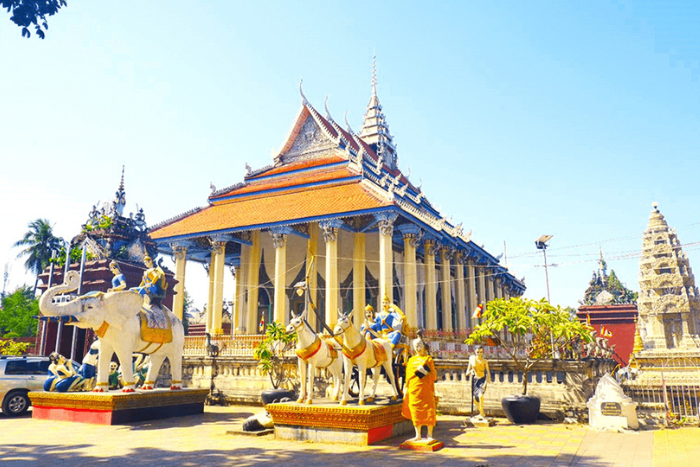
[(313, 352), (365, 354)]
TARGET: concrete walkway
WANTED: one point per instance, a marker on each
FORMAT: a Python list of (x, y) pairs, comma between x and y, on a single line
[(202, 440)]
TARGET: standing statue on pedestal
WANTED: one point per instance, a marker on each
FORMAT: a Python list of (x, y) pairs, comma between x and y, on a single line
[(478, 370), (419, 393)]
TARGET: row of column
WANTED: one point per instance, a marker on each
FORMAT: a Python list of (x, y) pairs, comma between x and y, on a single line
[(475, 287)]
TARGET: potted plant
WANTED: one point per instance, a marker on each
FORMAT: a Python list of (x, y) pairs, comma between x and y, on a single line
[(270, 355), (528, 330)]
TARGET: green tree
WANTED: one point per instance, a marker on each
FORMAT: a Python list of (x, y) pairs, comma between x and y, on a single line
[(10, 347), (28, 12), (16, 314), (525, 329), (270, 353), (37, 245)]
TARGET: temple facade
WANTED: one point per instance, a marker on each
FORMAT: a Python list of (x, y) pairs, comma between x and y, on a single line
[(333, 204)]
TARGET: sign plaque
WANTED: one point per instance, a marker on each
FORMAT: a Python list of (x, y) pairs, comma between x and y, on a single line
[(610, 409)]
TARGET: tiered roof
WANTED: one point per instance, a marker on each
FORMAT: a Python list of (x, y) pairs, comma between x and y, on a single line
[(322, 171)]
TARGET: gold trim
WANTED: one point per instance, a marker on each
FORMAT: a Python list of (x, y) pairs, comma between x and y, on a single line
[(117, 400), (356, 351), (102, 330), (334, 416), (308, 352), (154, 335)]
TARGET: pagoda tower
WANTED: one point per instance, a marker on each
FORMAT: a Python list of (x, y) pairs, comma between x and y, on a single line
[(669, 306)]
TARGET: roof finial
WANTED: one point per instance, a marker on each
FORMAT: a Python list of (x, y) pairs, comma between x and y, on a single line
[(374, 75), (325, 105), (347, 124), (304, 101), (121, 183)]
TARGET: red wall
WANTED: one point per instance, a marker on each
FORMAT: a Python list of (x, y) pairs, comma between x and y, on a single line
[(619, 320)]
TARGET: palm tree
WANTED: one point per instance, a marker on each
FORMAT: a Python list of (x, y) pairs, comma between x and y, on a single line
[(37, 244)]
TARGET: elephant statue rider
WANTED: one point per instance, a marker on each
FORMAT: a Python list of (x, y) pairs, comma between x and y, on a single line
[(153, 284), (124, 326)]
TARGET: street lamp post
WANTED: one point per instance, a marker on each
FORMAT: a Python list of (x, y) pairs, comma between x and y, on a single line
[(541, 244)]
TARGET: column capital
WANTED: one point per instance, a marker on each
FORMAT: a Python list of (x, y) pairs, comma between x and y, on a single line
[(218, 247), (330, 228), (279, 240), (179, 251), (412, 233), (430, 246), (448, 252), (385, 221)]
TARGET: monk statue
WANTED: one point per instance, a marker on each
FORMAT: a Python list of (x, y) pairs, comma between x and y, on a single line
[(478, 369), (419, 392)]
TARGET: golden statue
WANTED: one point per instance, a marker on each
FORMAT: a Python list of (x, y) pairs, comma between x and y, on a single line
[(419, 392)]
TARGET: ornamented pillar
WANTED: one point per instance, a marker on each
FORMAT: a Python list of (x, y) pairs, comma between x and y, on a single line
[(242, 293), (180, 255), (459, 291), (312, 270), (472, 299), (430, 288), (499, 288), (411, 237), (330, 236), (218, 252), (209, 267), (238, 298), (358, 277), (386, 263), (253, 277), (279, 241), (481, 271), (489, 285), (446, 287)]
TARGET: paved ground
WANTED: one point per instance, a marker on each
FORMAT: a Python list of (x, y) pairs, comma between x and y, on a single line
[(202, 440)]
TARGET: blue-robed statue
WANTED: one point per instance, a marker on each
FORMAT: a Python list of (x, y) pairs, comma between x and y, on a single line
[(388, 323)]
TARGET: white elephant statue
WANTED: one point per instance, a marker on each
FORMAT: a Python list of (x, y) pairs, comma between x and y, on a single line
[(115, 318)]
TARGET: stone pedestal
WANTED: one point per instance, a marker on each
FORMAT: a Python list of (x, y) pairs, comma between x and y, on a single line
[(610, 409), (117, 408), (333, 423), (431, 446)]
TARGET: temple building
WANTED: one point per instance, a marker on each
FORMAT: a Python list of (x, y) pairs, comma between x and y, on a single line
[(335, 204), (669, 305), (107, 235), (610, 309)]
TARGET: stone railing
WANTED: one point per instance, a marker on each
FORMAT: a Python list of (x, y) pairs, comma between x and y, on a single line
[(237, 346), (563, 386)]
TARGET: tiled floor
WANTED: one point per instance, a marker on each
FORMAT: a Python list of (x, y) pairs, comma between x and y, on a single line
[(202, 440)]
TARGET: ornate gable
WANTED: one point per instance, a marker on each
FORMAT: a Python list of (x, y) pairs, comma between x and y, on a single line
[(310, 142)]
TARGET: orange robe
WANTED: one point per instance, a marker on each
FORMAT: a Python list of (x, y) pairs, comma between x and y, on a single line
[(419, 401)]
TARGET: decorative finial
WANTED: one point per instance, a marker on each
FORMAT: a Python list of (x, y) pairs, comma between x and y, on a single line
[(248, 168), (121, 183), (325, 105), (655, 206), (301, 91), (374, 75), (347, 124)]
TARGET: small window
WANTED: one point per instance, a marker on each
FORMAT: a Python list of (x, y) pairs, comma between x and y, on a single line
[(37, 367), (16, 367)]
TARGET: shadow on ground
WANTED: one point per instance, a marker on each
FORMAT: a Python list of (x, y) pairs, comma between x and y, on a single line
[(308, 456)]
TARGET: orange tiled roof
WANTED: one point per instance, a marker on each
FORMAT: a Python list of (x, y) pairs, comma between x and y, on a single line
[(308, 203), (291, 181), (298, 166)]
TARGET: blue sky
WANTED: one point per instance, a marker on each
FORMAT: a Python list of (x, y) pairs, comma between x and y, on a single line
[(519, 118)]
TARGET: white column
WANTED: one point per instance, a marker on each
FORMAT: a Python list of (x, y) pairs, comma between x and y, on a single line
[(330, 236), (411, 275), (312, 270), (446, 288), (386, 263), (430, 288), (180, 255), (210, 292), (219, 259), (279, 240), (471, 289), (238, 297), (459, 291), (358, 278), (253, 277)]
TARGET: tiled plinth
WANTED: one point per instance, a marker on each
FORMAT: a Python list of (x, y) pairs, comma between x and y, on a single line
[(334, 423), (115, 407)]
